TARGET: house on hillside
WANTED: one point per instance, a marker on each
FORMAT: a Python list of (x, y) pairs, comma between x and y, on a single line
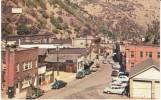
[(145, 80)]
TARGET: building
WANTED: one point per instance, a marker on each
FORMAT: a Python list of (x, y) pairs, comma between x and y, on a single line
[(120, 54), (138, 53), (82, 42), (21, 68), (65, 43), (145, 80), (26, 39)]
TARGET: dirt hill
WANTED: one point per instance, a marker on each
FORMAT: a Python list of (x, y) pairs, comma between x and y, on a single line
[(75, 18), (123, 17)]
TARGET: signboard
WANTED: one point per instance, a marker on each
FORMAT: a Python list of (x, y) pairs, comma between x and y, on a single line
[(16, 10)]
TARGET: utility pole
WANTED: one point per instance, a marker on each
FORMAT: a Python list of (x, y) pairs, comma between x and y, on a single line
[(57, 62), (86, 42)]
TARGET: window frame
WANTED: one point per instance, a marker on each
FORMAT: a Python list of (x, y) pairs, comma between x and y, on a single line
[(158, 54), (132, 54), (150, 56), (17, 67), (27, 65), (141, 54)]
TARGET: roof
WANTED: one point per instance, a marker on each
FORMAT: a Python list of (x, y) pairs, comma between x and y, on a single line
[(69, 51), (72, 57), (42, 51), (63, 41), (144, 66), (30, 36)]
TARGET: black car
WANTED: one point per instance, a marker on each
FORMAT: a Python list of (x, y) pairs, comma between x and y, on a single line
[(59, 84), (114, 73), (125, 73)]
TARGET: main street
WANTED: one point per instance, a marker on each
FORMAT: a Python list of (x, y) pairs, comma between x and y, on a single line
[(91, 86)]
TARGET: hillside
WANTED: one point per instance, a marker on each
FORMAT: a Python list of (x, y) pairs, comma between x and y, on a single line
[(75, 18), (123, 17), (62, 18)]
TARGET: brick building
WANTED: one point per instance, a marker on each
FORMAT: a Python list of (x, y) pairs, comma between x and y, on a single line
[(21, 68), (138, 53)]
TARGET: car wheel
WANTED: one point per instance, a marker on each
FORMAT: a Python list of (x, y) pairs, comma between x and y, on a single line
[(123, 93), (108, 92)]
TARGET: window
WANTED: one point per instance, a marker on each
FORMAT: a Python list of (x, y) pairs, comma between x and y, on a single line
[(17, 68), (36, 63), (132, 54), (158, 54), (27, 65), (146, 54), (26, 82), (150, 54), (141, 54), (132, 64)]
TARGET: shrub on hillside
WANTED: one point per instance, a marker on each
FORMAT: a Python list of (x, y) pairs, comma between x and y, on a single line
[(21, 30)]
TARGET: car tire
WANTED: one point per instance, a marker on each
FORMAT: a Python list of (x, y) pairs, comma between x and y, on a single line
[(123, 93), (108, 92)]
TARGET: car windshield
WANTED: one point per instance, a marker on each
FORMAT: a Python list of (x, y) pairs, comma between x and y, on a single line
[(80, 72), (114, 71), (58, 82)]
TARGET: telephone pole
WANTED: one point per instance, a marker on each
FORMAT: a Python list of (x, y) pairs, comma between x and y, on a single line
[(57, 62)]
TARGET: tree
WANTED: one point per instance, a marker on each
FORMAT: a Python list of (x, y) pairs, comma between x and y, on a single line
[(152, 34), (21, 30)]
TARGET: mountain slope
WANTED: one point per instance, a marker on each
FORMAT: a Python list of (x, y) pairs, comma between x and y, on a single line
[(123, 17), (75, 18)]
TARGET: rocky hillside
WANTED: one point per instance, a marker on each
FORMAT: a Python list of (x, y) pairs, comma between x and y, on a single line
[(123, 17), (61, 18), (75, 18)]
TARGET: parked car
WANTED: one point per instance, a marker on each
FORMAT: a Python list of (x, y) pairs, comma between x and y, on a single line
[(59, 84), (114, 73), (80, 74), (116, 83), (33, 92), (116, 66), (114, 89), (87, 71), (124, 73), (93, 69), (121, 78)]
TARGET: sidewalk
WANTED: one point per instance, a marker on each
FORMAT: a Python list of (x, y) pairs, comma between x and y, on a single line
[(67, 77)]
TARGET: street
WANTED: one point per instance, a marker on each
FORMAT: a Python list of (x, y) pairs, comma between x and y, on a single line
[(91, 86)]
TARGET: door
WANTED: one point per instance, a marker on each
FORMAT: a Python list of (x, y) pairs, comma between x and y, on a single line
[(17, 87), (157, 90), (141, 89)]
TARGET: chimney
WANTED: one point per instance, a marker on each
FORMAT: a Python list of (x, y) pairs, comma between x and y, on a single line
[(10, 68)]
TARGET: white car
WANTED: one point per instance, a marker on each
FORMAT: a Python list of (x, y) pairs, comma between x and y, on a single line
[(121, 78), (116, 83), (114, 89), (115, 66), (93, 69)]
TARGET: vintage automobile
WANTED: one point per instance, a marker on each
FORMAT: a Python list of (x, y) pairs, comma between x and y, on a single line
[(114, 89), (80, 74), (33, 92), (87, 71), (58, 84)]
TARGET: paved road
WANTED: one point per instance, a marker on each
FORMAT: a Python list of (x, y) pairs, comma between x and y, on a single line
[(88, 87)]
